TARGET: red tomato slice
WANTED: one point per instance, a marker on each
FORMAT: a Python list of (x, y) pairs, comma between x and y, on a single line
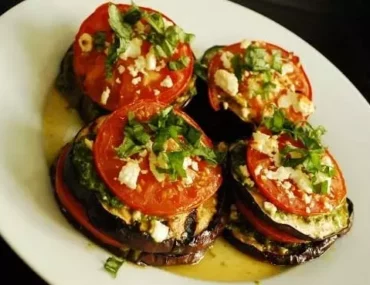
[(151, 197), (264, 228), (74, 208), (298, 77), (280, 197), (90, 68)]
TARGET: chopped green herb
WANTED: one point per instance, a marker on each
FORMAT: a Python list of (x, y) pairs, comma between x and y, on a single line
[(112, 265), (175, 164), (237, 64), (99, 41), (133, 15), (135, 139), (111, 58), (179, 64), (155, 20), (277, 62), (256, 59), (321, 188), (122, 29)]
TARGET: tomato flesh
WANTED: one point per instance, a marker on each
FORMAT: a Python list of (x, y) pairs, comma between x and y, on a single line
[(257, 105), (280, 197), (90, 68), (151, 197), (73, 207), (264, 228)]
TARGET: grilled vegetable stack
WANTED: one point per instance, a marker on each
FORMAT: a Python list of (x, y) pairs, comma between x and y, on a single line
[(123, 54), (251, 77), (290, 195), (144, 183)]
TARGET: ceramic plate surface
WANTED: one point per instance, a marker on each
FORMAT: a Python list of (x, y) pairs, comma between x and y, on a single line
[(37, 35)]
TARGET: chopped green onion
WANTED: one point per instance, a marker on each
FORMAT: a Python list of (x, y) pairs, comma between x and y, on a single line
[(179, 64), (112, 265)]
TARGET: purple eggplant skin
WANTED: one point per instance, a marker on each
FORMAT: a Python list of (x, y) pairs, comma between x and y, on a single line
[(304, 254)]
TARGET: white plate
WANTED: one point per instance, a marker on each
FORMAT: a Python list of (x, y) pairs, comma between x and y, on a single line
[(35, 36)]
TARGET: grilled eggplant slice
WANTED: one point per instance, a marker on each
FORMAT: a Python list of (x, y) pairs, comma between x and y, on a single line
[(313, 228), (249, 242)]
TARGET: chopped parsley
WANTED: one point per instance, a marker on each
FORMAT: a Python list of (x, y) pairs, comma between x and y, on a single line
[(255, 59), (162, 128), (112, 265), (179, 64), (308, 155)]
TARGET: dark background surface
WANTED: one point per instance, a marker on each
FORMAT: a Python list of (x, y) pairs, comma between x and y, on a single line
[(337, 28)]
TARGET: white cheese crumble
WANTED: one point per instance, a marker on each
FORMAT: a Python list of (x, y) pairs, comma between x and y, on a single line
[(265, 143), (258, 169), (225, 105), (133, 50), (226, 59), (194, 165), (158, 231), (286, 185), (190, 176), (156, 92), (118, 80), (227, 81), (287, 68), (104, 96), (270, 208), (151, 61), (167, 82), (85, 42), (129, 174), (326, 160), (186, 163), (302, 181), (136, 80), (245, 113), (304, 106), (121, 69), (307, 198), (245, 44), (281, 174), (136, 216)]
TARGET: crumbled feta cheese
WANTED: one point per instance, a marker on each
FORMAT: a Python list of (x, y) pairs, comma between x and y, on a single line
[(136, 216), (265, 143), (151, 61), (104, 96), (286, 185), (167, 82), (138, 91), (158, 231), (304, 106), (281, 174), (225, 105), (258, 169), (307, 198), (269, 111), (227, 81), (121, 69), (302, 180), (290, 194), (118, 80), (326, 160), (226, 59), (269, 207), (156, 92), (194, 165), (328, 206), (186, 163), (133, 49), (308, 210), (287, 68), (287, 100), (85, 42), (144, 171), (245, 44), (161, 65), (129, 174), (190, 176), (136, 80), (245, 113)]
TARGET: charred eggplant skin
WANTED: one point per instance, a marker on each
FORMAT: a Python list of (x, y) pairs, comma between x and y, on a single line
[(304, 254)]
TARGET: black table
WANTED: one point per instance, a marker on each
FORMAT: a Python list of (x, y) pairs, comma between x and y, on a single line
[(336, 28)]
